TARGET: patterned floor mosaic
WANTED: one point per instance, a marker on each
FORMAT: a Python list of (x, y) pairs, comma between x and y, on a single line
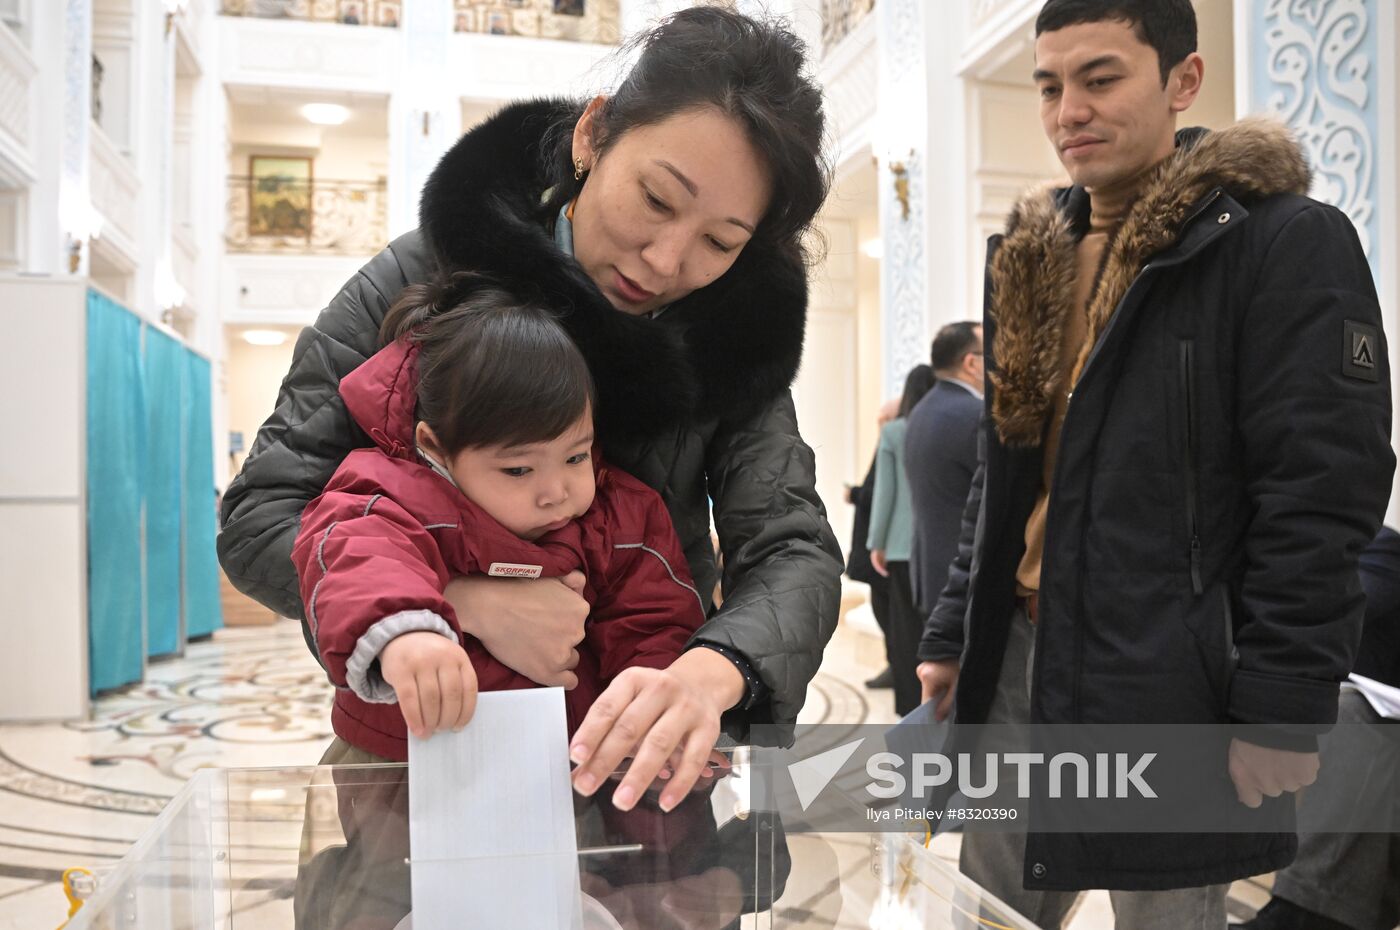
[(81, 793)]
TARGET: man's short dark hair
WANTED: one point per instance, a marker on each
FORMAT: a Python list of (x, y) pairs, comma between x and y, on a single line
[(953, 342), (1169, 26)]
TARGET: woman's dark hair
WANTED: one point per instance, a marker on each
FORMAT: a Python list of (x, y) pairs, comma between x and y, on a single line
[(493, 369), (916, 384), (1169, 26), (748, 70)]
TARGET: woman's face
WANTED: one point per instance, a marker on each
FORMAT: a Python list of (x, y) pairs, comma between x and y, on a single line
[(667, 208)]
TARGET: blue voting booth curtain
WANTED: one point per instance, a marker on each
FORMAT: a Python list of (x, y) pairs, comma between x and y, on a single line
[(116, 432), (165, 370), (203, 611)]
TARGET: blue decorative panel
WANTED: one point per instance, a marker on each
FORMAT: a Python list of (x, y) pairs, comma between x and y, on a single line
[(1314, 64), (164, 483), (116, 465), (203, 612)]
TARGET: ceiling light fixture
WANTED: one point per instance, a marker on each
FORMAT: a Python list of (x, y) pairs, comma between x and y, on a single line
[(325, 114), (264, 337)]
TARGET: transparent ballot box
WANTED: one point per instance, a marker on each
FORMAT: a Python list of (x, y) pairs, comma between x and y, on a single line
[(328, 847)]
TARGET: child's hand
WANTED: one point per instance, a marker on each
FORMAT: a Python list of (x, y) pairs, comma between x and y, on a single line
[(434, 681)]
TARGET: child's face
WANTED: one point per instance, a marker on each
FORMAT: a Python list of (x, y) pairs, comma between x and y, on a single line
[(530, 490)]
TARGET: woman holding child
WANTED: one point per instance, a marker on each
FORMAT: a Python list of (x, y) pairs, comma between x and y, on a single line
[(662, 227)]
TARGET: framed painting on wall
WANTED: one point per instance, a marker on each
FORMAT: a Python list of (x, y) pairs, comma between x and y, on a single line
[(352, 13), (498, 24), (279, 196), (386, 13)]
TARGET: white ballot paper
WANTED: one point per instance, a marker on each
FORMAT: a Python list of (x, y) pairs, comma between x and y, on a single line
[(491, 819)]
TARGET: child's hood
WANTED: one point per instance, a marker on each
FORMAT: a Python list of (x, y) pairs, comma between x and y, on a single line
[(382, 396)]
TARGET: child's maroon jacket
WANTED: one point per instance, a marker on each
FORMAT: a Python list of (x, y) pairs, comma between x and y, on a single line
[(376, 549)]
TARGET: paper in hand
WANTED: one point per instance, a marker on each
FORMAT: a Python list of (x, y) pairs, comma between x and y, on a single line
[(491, 819)]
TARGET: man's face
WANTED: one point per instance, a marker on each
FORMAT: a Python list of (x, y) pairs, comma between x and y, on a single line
[(1102, 103), (975, 360)]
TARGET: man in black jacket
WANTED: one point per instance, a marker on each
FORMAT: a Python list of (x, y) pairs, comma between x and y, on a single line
[(1189, 443)]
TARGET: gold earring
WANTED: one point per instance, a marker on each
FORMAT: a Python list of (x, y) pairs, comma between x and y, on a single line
[(578, 169)]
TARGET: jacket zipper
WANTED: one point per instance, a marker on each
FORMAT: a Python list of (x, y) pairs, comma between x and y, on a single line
[(1195, 554), (1187, 377)]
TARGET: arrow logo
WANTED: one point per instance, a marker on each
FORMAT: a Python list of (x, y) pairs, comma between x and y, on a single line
[(812, 775), (1361, 354)]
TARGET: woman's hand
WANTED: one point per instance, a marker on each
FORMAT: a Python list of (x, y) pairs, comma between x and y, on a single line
[(877, 562), (652, 715), (531, 626), (433, 679)]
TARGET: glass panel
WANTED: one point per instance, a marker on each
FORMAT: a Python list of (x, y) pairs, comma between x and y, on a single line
[(319, 847), (171, 877)]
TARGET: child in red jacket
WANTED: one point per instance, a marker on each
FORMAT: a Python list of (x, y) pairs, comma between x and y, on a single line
[(480, 408)]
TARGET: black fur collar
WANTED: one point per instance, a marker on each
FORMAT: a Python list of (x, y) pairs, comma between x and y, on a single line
[(723, 351)]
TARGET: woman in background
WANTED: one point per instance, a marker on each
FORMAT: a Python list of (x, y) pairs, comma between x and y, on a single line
[(890, 539)]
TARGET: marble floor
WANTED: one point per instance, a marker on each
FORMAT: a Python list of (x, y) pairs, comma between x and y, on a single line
[(79, 794)]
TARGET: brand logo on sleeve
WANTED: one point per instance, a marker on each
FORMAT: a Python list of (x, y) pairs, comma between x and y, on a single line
[(1361, 346), (512, 570)]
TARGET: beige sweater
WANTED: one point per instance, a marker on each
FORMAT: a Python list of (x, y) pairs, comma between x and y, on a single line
[(1108, 206)]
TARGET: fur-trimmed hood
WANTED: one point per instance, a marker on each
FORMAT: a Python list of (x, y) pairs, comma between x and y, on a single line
[(725, 350), (1033, 271)]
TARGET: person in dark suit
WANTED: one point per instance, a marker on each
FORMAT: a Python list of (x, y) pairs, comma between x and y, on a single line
[(940, 455)]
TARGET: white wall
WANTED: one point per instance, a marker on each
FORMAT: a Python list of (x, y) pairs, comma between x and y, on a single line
[(869, 370), (254, 374), (825, 390), (339, 155), (43, 542), (1215, 107)]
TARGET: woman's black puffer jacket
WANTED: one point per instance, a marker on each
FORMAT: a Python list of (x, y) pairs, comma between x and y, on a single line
[(696, 403)]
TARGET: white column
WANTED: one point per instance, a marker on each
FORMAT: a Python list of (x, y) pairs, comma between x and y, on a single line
[(901, 152), (425, 115), (155, 122), (60, 210), (920, 127), (209, 194)]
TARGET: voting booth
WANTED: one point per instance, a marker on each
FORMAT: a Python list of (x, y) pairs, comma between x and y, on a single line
[(329, 846)]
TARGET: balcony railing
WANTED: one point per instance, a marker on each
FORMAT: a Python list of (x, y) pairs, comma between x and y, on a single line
[(594, 21), (839, 18), (349, 12), (315, 218)]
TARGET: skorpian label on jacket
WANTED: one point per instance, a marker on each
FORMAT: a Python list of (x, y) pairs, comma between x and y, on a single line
[(512, 570)]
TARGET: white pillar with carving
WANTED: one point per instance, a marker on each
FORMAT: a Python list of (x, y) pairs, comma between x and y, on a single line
[(156, 288), (425, 114), (1321, 68), (61, 217), (1328, 70), (920, 125)]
